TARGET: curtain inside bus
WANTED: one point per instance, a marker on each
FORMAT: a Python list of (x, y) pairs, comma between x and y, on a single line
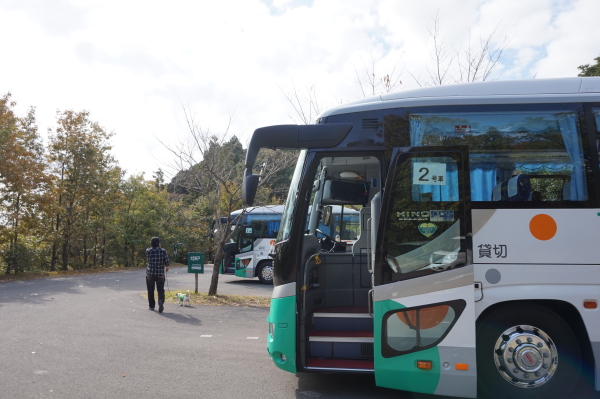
[(596, 112), (264, 225), (505, 144)]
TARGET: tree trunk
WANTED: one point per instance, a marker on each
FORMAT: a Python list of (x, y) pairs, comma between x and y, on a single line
[(16, 237), (10, 260), (95, 249), (65, 253), (102, 253), (85, 251), (53, 259), (214, 281)]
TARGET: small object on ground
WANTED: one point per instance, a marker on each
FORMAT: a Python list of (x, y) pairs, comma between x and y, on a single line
[(183, 298)]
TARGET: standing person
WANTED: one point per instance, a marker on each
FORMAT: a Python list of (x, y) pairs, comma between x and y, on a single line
[(158, 263)]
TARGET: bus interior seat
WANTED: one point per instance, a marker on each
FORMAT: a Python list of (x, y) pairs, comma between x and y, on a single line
[(535, 196), (499, 192), (361, 244), (519, 188)]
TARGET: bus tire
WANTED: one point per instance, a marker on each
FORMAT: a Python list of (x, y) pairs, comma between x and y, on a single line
[(525, 351), (265, 272)]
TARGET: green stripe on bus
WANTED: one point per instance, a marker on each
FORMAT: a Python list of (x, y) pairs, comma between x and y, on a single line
[(401, 372), (240, 272), (282, 344)]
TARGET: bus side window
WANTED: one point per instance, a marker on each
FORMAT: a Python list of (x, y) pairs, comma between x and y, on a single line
[(596, 112), (538, 152)]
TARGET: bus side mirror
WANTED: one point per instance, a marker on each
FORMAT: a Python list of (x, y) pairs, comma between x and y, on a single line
[(249, 188), (327, 215)]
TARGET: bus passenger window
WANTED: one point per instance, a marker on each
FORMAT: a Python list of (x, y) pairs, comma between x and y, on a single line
[(596, 112), (535, 155)]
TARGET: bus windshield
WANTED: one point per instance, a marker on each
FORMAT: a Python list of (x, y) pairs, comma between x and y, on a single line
[(290, 204)]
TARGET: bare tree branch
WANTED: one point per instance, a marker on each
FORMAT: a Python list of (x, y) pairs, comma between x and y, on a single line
[(211, 164), (370, 80), (472, 64), (305, 103)]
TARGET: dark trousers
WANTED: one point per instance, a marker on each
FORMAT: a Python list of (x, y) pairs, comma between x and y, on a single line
[(160, 288)]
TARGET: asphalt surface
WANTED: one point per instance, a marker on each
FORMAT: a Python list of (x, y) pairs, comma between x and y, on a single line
[(93, 336), (179, 279)]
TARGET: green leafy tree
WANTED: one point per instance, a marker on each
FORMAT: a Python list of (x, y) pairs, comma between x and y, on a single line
[(590, 69), (23, 181), (96, 224), (79, 154)]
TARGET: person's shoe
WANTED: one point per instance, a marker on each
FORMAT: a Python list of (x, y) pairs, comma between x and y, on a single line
[(150, 308), (160, 306)]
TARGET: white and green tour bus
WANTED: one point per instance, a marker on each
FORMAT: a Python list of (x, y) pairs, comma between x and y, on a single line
[(247, 255), (477, 266)]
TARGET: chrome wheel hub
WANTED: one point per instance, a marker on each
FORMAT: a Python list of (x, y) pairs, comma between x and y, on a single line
[(525, 356), (267, 272)]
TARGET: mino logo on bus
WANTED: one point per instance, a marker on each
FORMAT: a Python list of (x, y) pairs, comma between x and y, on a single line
[(432, 216)]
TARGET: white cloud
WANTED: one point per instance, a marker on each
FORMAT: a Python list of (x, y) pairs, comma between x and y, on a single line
[(135, 64)]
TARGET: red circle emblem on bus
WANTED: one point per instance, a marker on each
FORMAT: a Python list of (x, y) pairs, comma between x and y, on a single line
[(543, 227)]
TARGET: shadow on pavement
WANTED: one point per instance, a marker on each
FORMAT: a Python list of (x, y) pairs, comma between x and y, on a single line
[(342, 385), (181, 318), (248, 284), (42, 290)]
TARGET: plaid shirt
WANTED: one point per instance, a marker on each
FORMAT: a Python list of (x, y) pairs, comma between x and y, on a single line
[(157, 260)]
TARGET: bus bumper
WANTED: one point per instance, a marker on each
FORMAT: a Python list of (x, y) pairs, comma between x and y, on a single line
[(281, 340)]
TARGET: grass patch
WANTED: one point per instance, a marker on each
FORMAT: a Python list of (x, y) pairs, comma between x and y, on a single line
[(63, 273), (219, 300)]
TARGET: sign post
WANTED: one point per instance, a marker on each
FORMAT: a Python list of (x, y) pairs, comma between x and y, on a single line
[(195, 265), (175, 247)]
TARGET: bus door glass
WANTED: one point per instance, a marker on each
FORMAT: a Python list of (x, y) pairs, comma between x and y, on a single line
[(424, 317), (246, 239), (596, 112)]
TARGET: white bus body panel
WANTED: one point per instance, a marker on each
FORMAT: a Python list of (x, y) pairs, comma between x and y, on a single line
[(565, 267), (262, 248), (577, 233)]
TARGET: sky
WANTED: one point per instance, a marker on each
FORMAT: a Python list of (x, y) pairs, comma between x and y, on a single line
[(137, 65)]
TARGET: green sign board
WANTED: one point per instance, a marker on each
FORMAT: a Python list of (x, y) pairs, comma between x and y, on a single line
[(195, 262)]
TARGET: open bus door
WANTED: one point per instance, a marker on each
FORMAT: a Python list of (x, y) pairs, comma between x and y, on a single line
[(228, 264), (424, 317), (230, 250), (245, 244)]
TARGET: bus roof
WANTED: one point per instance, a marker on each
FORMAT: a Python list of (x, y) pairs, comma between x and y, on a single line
[(260, 209), (498, 91)]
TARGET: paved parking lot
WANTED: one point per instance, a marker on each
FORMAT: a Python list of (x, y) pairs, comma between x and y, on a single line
[(93, 337)]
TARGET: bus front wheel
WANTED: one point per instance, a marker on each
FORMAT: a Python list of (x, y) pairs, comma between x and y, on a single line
[(265, 272), (526, 350)]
